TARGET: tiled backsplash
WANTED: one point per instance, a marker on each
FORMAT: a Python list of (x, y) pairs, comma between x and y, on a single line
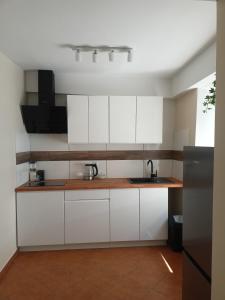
[(54, 169), (124, 168), (22, 173), (76, 169), (110, 168)]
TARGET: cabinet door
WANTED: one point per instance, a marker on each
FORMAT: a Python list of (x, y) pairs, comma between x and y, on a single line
[(86, 221), (98, 119), (40, 218), (154, 214), (195, 285), (122, 119), (124, 215), (86, 195), (77, 111), (149, 120)]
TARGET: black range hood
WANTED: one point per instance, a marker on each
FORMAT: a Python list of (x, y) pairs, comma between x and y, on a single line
[(46, 117)]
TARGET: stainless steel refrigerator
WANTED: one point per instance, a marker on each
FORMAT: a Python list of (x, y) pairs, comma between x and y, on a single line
[(197, 222)]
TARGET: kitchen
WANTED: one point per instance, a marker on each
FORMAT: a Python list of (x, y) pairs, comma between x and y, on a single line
[(105, 125)]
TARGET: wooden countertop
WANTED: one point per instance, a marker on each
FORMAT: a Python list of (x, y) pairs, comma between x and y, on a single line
[(107, 183)]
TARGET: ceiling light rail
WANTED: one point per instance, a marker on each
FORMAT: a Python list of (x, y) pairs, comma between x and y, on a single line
[(95, 50)]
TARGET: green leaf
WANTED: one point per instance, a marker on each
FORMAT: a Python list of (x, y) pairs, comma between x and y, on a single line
[(210, 99)]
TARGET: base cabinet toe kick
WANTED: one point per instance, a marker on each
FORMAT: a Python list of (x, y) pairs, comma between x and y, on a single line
[(98, 218)]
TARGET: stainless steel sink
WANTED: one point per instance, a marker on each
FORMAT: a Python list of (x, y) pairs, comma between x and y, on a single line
[(159, 180)]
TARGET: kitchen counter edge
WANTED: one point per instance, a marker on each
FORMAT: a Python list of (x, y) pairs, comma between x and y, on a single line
[(107, 183)]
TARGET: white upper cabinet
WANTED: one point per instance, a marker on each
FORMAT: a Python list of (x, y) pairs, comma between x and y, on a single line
[(98, 119), (77, 109), (149, 125), (122, 119), (115, 119)]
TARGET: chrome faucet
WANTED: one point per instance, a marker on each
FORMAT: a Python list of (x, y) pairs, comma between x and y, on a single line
[(153, 175)]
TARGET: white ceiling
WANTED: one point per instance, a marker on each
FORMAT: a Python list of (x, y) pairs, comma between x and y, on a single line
[(164, 34)]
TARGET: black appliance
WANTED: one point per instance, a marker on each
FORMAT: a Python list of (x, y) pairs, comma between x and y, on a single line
[(175, 229), (41, 175), (44, 183), (45, 117), (197, 222)]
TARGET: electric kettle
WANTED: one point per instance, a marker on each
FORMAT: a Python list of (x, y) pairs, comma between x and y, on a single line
[(91, 171)]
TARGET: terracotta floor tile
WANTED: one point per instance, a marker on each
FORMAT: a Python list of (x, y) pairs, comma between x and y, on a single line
[(157, 296), (100, 274), (170, 285)]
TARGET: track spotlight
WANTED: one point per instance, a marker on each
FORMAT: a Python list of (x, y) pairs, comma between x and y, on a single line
[(77, 55), (111, 56), (95, 50), (129, 56), (94, 56)]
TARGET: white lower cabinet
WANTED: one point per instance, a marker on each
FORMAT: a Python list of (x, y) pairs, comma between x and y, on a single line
[(154, 214), (86, 221), (91, 216), (124, 214), (40, 218)]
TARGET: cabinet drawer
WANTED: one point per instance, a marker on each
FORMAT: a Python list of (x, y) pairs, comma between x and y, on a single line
[(86, 195)]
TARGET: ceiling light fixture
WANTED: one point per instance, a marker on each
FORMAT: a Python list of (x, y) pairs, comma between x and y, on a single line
[(77, 55), (111, 56), (95, 50), (130, 56), (94, 56)]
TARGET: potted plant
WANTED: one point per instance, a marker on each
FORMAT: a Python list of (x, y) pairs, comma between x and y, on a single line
[(210, 99)]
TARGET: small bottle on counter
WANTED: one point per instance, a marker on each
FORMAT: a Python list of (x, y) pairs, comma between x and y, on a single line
[(32, 171), (40, 175)]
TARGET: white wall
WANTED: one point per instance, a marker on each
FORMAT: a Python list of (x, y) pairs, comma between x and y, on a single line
[(218, 261), (12, 89), (198, 68), (185, 126), (205, 122), (105, 84), (22, 140)]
